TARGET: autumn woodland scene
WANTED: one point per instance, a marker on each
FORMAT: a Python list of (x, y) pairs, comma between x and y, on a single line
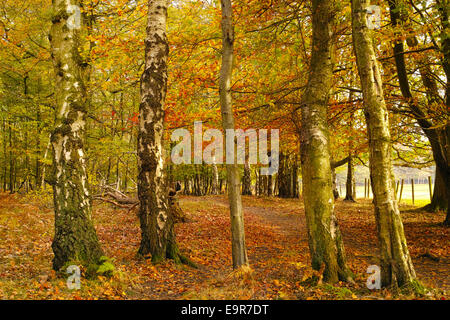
[(224, 150)]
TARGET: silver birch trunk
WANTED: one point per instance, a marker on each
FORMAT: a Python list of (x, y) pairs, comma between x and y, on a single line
[(157, 224), (75, 240), (396, 264)]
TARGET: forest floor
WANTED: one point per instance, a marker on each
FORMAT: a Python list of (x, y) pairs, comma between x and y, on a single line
[(277, 249)]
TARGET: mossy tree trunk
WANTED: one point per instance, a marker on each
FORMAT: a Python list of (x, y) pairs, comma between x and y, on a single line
[(75, 239), (325, 241), (396, 264), (238, 247), (157, 224)]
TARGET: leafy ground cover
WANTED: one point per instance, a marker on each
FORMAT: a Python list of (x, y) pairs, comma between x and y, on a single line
[(277, 249)]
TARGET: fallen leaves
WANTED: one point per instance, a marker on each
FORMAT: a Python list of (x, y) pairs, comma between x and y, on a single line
[(276, 242)]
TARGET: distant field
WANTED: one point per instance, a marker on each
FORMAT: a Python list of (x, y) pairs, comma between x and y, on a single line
[(421, 193)]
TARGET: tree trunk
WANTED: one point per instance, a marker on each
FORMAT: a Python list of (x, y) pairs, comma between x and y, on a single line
[(325, 241), (215, 179), (75, 239), (439, 199), (349, 188), (396, 263), (247, 181), (157, 224), (5, 168), (335, 189), (11, 160), (187, 188), (260, 183), (443, 164), (349, 185), (282, 185), (295, 193), (38, 148), (239, 251), (269, 185), (264, 185)]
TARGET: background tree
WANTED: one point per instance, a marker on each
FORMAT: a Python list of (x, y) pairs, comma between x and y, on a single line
[(427, 112)]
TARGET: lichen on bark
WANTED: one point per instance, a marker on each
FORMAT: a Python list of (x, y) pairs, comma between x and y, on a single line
[(156, 221), (75, 239)]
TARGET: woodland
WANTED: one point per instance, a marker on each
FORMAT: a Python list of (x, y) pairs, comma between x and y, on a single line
[(91, 92)]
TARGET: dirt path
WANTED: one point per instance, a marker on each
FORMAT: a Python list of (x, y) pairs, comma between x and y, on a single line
[(289, 225), (277, 250), (289, 240), (362, 250)]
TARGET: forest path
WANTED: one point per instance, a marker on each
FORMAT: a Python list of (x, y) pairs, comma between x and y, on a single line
[(284, 219), (276, 242), (288, 223), (284, 257)]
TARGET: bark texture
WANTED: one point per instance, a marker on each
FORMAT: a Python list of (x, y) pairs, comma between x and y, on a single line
[(238, 247), (75, 240), (325, 241), (396, 264), (157, 224)]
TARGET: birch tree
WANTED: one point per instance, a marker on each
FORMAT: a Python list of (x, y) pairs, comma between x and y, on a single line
[(396, 263), (75, 239), (157, 225), (325, 241)]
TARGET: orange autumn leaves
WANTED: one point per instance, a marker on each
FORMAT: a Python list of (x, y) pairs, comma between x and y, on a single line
[(277, 248)]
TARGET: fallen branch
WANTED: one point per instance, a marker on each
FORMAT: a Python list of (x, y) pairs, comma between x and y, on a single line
[(121, 200), (123, 206)]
